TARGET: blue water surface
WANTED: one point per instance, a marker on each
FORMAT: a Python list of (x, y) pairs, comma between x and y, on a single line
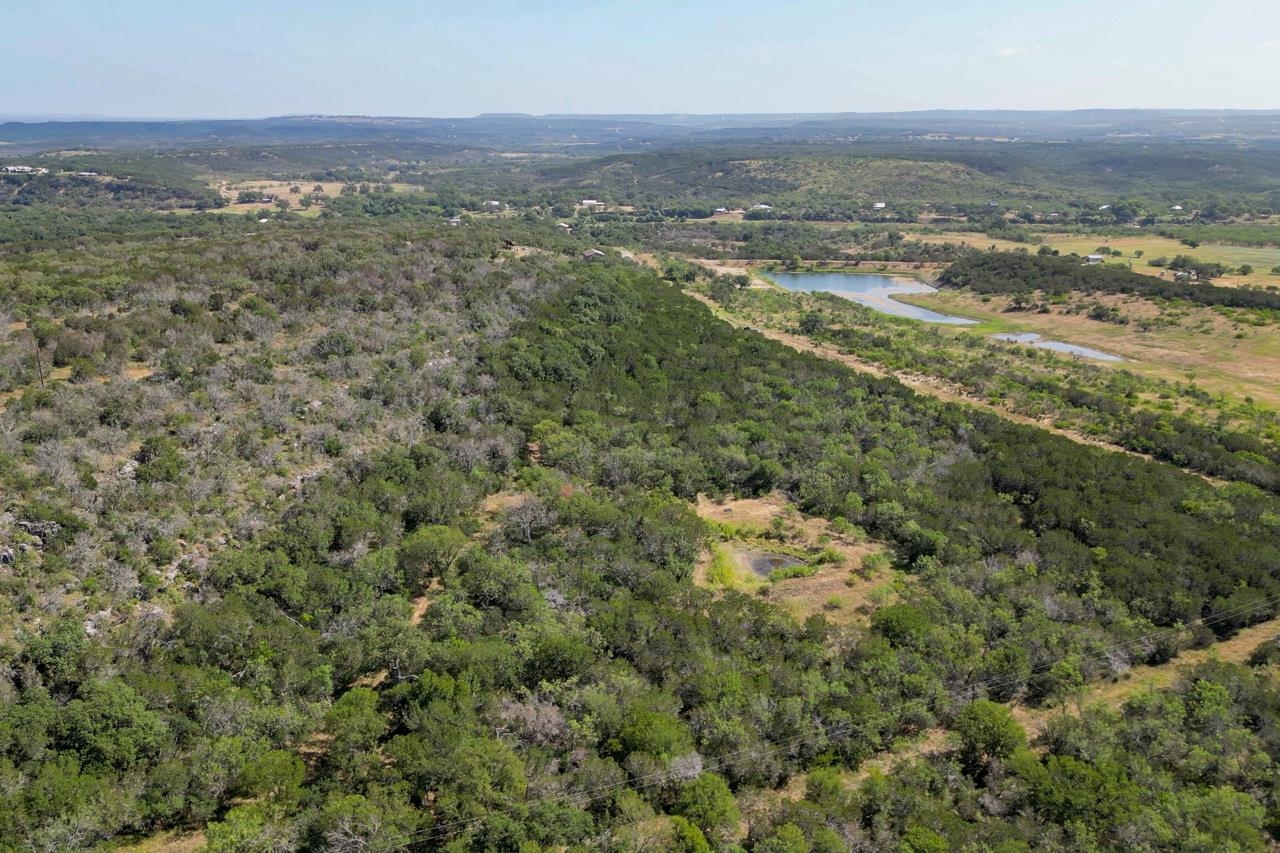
[(874, 291)]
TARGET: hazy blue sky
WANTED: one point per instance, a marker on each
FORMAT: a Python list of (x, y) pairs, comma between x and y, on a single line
[(223, 58)]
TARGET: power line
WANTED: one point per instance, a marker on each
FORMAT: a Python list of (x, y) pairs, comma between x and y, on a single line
[(441, 830)]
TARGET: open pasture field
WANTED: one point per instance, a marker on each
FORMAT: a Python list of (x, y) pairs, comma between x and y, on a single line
[(280, 189), (971, 239), (1262, 259), (1222, 355)]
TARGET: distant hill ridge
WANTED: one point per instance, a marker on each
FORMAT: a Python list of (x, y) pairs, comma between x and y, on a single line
[(28, 134)]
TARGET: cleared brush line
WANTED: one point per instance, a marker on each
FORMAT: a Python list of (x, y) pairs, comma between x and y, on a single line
[(927, 385), (1140, 679)]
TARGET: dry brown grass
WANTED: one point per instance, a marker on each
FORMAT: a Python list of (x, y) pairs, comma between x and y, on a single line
[(526, 251), (500, 502), (976, 241), (137, 371), (280, 189), (928, 743), (167, 842), (1223, 355), (755, 511), (829, 592)]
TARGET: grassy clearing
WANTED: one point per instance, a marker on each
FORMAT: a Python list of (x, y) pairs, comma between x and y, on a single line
[(1151, 246), (1221, 354), (1262, 259), (229, 190), (842, 576), (167, 842), (973, 240)]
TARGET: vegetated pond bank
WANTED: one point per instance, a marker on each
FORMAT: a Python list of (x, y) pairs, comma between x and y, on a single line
[(874, 291), (877, 292), (1035, 340)]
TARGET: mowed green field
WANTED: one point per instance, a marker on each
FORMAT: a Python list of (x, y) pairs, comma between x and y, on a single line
[(1262, 259)]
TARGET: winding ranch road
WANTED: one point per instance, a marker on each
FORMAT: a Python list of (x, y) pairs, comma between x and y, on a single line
[(1108, 694)]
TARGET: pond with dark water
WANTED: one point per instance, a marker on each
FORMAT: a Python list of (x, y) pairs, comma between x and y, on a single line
[(764, 563)]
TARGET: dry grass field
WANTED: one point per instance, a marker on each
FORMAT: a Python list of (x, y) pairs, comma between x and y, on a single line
[(1262, 259), (229, 190), (1221, 354)]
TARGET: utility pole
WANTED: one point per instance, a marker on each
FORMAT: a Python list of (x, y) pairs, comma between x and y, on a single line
[(35, 345)]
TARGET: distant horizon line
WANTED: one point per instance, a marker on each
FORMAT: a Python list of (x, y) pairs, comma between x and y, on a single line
[(52, 118)]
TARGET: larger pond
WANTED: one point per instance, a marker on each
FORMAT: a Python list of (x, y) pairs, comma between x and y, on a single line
[(874, 291)]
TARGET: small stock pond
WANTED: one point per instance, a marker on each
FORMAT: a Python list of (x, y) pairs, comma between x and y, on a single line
[(1032, 339)]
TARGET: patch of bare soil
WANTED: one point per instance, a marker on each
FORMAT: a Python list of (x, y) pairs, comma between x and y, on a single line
[(500, 502), (755, 511), (525, 251), (839, 596), (928, 743), (167, 842)]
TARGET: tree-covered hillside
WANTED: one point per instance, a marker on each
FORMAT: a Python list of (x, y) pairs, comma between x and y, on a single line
[(370, 534)]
